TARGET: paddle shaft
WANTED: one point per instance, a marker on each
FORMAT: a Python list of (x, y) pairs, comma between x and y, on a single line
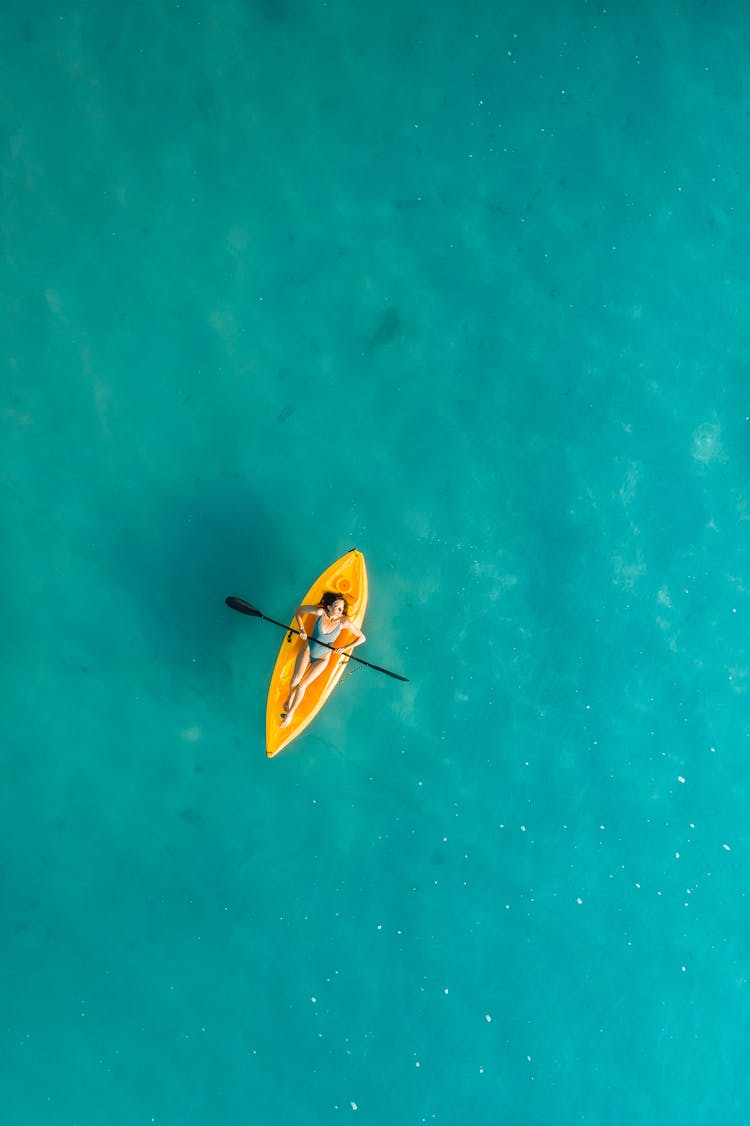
[(245, 608), (333, 649)]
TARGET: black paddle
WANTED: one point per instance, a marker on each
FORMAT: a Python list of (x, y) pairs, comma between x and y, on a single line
[(245, 608)]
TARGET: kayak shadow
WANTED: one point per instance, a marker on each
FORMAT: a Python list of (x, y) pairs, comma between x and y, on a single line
[(218, 542)]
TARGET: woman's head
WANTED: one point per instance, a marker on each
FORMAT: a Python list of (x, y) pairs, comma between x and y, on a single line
[(334, 605)]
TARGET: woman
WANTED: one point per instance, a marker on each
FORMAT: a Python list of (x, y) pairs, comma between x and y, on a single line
[(330, 619)]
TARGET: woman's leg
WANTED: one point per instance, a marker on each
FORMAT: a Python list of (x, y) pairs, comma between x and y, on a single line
[(300, 667), (313, 670)]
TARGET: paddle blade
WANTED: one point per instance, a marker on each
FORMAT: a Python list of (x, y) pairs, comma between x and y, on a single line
[(395, 675), (243, 607)]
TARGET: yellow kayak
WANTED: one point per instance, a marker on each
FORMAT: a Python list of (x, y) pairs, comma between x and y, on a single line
[(347, 577)]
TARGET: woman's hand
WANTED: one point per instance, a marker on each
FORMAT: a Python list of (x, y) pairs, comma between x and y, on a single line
[(302, 633)]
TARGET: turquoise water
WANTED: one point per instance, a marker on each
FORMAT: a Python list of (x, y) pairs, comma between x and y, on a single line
[(465, 287)]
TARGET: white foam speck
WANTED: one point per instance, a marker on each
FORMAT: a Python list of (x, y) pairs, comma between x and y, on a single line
[(579, 900), (488, 1018), (680, 778), (707, 446), (726, 848), (353, 1105)]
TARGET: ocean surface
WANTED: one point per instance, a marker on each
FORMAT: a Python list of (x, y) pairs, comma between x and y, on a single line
[(465, 286)]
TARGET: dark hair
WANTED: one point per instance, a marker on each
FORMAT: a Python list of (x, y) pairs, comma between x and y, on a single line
[(332, 596)]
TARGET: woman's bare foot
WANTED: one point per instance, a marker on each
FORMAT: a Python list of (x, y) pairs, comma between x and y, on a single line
[(287, 719)]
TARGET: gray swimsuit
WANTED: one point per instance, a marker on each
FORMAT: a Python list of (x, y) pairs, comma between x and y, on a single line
[(318, 652)]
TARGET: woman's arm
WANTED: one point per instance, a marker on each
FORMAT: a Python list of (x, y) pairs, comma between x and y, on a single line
[(352, 628), (305, 610)]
